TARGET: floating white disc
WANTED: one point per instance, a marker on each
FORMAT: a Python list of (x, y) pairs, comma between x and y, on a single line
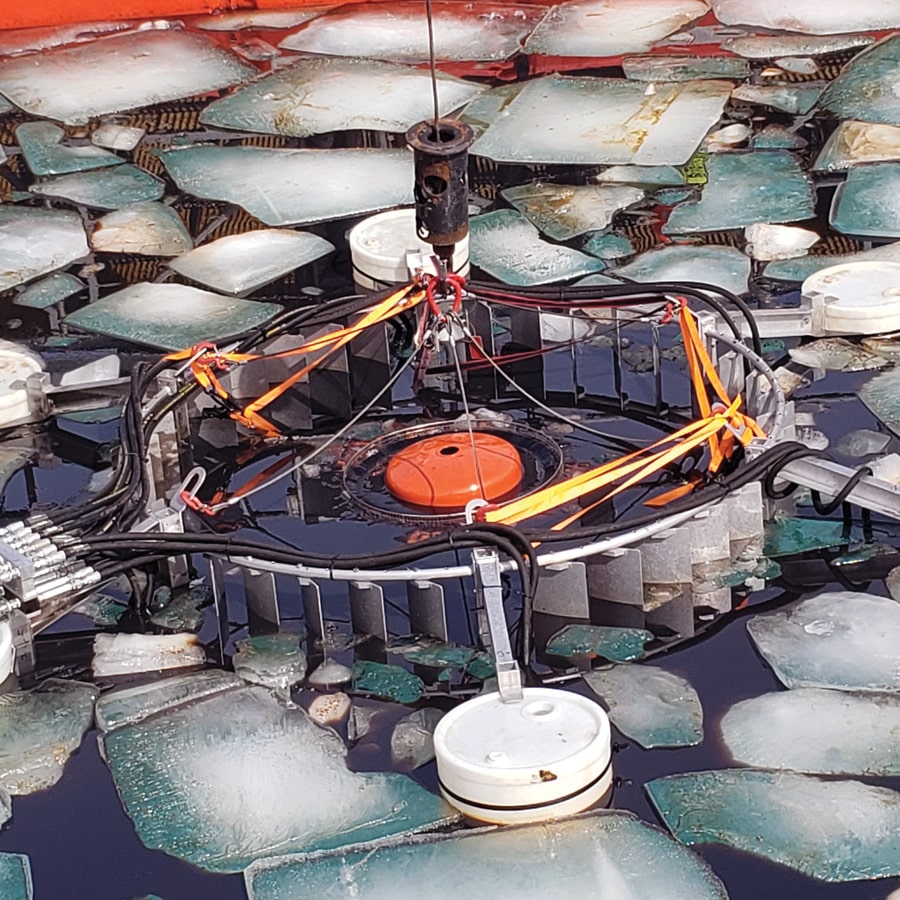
[(16, 364), (855, 298)]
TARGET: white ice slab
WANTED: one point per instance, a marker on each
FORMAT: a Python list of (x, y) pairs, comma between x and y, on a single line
[(75, 84), (256, 18), (591, 121), (839, 640), (809, 16), (145, 229), (313, 96), (295, 187), (768, 242), (34, 242), (126, 654), (610, 27), (241, 263), (117, 137)]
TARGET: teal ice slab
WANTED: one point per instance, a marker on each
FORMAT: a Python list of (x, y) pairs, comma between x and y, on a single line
[(829, 830), (103, 188), (654, 707), (606, 856), (802, 267), (180, 614), (797, 100), (592, 121), (866, 204), (724, 267), (15, 877), (506, 245), (35, 242), (563, 211), (39, 730), (49, 291), (170, 316), (144, 229), (319, 95), (852, 143), (390, 682), (881, 395), (777, 137), (45, 154), (656, 67), (295, 187), (101, 609), (744, 188), (787, 536), (866, 89), (816, 731), (238, 776), (274, 660), (840, 640), (614, 644), (437, 654), (608, 246)]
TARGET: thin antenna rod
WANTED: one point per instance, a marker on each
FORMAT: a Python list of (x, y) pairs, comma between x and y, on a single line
[(434, 90)]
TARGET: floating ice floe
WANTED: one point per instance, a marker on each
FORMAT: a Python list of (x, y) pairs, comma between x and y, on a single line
[(598, 28), (75, 84), (564, 211), (785, 536), (34, 242), (589, 641), (145, 229), (772, 46), (892, 583), (881, 395), (426, 651), (768, 242), (506, 245), (865, 205), (117, 137), (862, 442), (241, 263), (101, 609), (237, 776), (390, 682), (723, 266), (608, 247), (656, 67), (295, 187), (39, 730), (273, 660), (866, 89), (478, 32), (180, 614), (816, 731), (49, 291), (801, 268), (777, 137), (840, 640), (15, 877), (330, 673), (313, 96), (852, 143), (654, 707), (837, 355), (412, 740), (743, 188), (360, 722), (797, 99), (830, 830), (590, 121), (808, 16), (103, 188), (607, 856), (170, 316), (45, 154), (126, 654), (238, 19)]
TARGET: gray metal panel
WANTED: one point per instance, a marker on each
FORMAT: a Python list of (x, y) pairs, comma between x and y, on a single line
[(616, 576), (367, 614), (312, 608), (262, 601), (23, 643), (709, 535), (666, 557), (677, 613), (563, 591), (217, 584), (427, 611)]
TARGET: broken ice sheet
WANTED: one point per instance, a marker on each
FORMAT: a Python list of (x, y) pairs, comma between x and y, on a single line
[(181, 614), (808, 16), (642, 176), (103, 188), (412, 740), (49, 291), (389, 682), (656, 67), (506, 245), (39, 730), (836, 355), (126, 654), (722, 266), (117, 137), (146, 229), (597, 28), (768, 242), (101, 609), (801, 268), (862, 442), (654, 707), (786, 536), (45, 154), (816, 731), (608, 247), (170, 316), (777, 137), (772, 46), (426, 651), (607, 855), (237, 776), (485, 109), (273, 660), (237, 20), (295, 187), (239, 264), (590, 121), (15, 877), (852, 143), (866, 89), (75, 84), (609, 642), (830, 830), (34, 242), (743, 188), (866, 204), (564, 211), (314, 96), (841, 639), (881, 395), (797, 99), (398, 32)]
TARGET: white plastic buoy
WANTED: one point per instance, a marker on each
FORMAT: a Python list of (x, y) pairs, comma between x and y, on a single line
[(379, 246), (7, 651), (16, 364), (855, 298), (545, 756)]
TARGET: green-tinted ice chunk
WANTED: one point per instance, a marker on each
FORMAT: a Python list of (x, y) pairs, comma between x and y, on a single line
[(607, 856), (39, 730), (170, 316), (49, 291), (787, 536), (777, 137), (609, 246), (238, 776), (15, 877), (797, 99), (181, 614), (841, 640), (101, 609), (836, 355), (614, 644), (656, 67), (654, 707), (866, 88), (426, 651), (865, 204), (830, 830), (103, 188), (45, 154), (722, 266), (506, 245), (802, 267), (881, 395), (389, 682), (146, 229), (274, 660), (743, 188), (817, 731)]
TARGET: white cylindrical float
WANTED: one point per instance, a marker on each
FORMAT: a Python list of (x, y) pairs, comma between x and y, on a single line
[(543, 757), (7, 651), (855, 298), (16, 364), (379, 246)]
